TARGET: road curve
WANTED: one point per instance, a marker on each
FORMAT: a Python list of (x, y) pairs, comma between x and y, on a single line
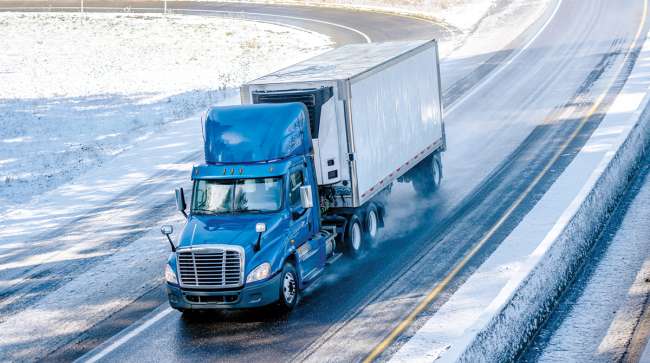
[(503, 144), (343, 26)]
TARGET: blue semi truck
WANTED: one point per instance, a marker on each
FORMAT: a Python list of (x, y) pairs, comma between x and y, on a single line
[(301, 172)]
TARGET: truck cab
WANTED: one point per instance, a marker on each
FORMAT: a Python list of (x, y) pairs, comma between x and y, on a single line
[(252, 236)]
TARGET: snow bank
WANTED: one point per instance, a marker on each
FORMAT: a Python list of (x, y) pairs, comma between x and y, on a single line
[(583, 326), (494, 313), (77, 90)]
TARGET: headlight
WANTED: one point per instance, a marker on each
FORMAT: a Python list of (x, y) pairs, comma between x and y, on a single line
[(259, 273), (170, 276)]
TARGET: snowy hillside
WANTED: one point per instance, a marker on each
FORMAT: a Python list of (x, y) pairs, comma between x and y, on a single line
[(79, 90)]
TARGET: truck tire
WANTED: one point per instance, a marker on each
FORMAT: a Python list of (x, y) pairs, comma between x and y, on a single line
[(354, 237), (371, 225), (289, 291), (428, 176)]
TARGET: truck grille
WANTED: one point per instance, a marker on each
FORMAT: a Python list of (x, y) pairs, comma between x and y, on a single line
[(210, 267)]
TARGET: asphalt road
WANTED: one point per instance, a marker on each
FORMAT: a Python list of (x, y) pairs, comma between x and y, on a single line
[(511, 132)]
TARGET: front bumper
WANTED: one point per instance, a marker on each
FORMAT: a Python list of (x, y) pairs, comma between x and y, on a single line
[(259, 294)]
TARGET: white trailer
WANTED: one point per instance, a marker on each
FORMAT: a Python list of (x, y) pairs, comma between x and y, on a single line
[(375, 113)]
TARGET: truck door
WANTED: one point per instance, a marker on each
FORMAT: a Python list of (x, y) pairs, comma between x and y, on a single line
[(302, 227)]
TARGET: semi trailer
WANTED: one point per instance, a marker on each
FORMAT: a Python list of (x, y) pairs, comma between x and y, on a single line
[(299, 174)]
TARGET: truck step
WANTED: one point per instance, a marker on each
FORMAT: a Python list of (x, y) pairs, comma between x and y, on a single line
[(333, 259)]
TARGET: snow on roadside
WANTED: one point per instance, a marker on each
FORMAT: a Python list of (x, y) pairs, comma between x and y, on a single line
[(78, 90), (463, 14), (598, 320)]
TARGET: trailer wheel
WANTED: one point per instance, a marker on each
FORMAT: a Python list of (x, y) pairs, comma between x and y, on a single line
[(429, 176), (289, 291), (354, 236), (372, 224)]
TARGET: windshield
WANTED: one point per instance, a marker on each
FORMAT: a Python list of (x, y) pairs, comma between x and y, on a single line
[(237, 195)]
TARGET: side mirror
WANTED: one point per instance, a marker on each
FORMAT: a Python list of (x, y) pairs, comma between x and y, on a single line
[(259, 228), (306, 197), (180, 201), (166, 230)]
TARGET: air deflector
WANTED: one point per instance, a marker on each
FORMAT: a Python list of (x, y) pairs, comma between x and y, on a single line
[(256, 133), (313, 99)]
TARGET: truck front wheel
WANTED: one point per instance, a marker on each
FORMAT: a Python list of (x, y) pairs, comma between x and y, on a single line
[(288, 288), (354, 236)]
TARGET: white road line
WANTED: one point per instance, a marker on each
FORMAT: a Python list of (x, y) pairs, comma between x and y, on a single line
[(93, 356), (359, 32), (505, 65)]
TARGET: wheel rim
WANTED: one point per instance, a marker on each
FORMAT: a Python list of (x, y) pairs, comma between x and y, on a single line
[(289, 287), (356, 236), (372, 223)]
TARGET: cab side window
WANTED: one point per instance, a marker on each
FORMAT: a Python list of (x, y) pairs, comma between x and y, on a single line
[(296, 180)]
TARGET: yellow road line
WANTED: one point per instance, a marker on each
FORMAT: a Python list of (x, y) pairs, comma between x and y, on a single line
[(410, 318)]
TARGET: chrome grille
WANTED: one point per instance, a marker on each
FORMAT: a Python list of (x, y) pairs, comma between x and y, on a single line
[(211, 267)]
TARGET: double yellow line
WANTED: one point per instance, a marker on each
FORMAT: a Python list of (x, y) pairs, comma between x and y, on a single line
[(438, 288)]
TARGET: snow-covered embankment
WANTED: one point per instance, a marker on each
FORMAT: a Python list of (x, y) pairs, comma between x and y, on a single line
[(77, 90)]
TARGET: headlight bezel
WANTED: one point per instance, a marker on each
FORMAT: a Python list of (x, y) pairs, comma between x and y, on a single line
[(170, 275), (259, 273)]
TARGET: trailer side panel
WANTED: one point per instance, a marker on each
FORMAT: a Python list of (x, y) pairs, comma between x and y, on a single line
[(395, 120)]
